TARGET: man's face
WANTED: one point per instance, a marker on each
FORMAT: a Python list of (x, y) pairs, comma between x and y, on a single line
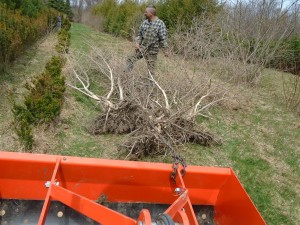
[(147, 14)]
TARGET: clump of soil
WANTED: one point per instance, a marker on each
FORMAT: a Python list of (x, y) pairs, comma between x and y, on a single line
[(122, 120)]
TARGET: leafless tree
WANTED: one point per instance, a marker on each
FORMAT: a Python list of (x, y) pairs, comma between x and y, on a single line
[(266, 23), (291, 90), (82, 6), (245, 35)]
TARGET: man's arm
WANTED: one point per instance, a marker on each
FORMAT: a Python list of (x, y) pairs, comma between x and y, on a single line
[(162, 35), (139, 37)]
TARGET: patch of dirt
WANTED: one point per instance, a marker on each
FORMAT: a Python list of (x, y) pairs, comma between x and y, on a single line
[(123, 120)]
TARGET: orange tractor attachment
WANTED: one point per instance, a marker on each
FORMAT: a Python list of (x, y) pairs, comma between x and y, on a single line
[(48, 189)]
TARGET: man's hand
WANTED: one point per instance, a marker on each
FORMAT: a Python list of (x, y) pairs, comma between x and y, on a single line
[(166, 52), (137, 46)]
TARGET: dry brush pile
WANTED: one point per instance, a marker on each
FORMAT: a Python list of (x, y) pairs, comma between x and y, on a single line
[(158, 112)]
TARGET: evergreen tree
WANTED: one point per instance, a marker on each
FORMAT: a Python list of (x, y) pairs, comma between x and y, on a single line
[(173, 12), (68, 10), (28, 8), (12, 4), (59, 5), (62, 6)]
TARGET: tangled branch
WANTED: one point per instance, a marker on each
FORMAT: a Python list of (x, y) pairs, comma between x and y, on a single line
[(154, 124)]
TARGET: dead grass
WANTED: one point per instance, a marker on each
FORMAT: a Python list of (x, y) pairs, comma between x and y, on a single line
[(27, 66)]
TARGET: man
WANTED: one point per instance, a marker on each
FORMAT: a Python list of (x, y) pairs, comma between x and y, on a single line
[(58, 24), (152, 34)]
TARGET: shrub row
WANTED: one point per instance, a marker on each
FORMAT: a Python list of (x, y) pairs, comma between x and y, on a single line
[(121, 18), (62, 6), (287, 57), (43, 102), (64, 37), (18, 31), (182, 12), (29, 8)]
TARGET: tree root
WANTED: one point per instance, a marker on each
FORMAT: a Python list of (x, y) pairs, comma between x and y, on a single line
[(151, 132)]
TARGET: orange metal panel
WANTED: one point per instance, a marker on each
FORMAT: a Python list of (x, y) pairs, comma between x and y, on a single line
[(23, 189), (234, 206), (23, 176)]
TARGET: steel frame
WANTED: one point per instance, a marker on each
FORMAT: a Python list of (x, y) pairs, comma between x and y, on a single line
[(181, 211)]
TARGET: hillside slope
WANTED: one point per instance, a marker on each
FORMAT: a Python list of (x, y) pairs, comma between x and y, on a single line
[(261, 137)]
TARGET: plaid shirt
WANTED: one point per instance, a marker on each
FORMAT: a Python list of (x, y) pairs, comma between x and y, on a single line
[(152, 35)]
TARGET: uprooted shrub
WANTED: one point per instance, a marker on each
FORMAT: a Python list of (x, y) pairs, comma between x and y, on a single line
[(151, 131), (157, 114)]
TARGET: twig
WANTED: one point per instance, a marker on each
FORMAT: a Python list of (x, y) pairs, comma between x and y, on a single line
[(162, 90)]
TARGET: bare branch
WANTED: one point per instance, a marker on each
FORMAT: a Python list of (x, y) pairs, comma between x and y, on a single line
[(161, 89), (111, 75), (85, 86), (120, 89)]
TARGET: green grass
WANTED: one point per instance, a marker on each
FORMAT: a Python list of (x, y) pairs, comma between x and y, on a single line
[(82, 37), (84, 149), (80, 34), (261, 140), (262, 145), (86, 101)]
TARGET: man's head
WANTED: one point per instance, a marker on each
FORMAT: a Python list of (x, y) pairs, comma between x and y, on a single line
[(150, 12)]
